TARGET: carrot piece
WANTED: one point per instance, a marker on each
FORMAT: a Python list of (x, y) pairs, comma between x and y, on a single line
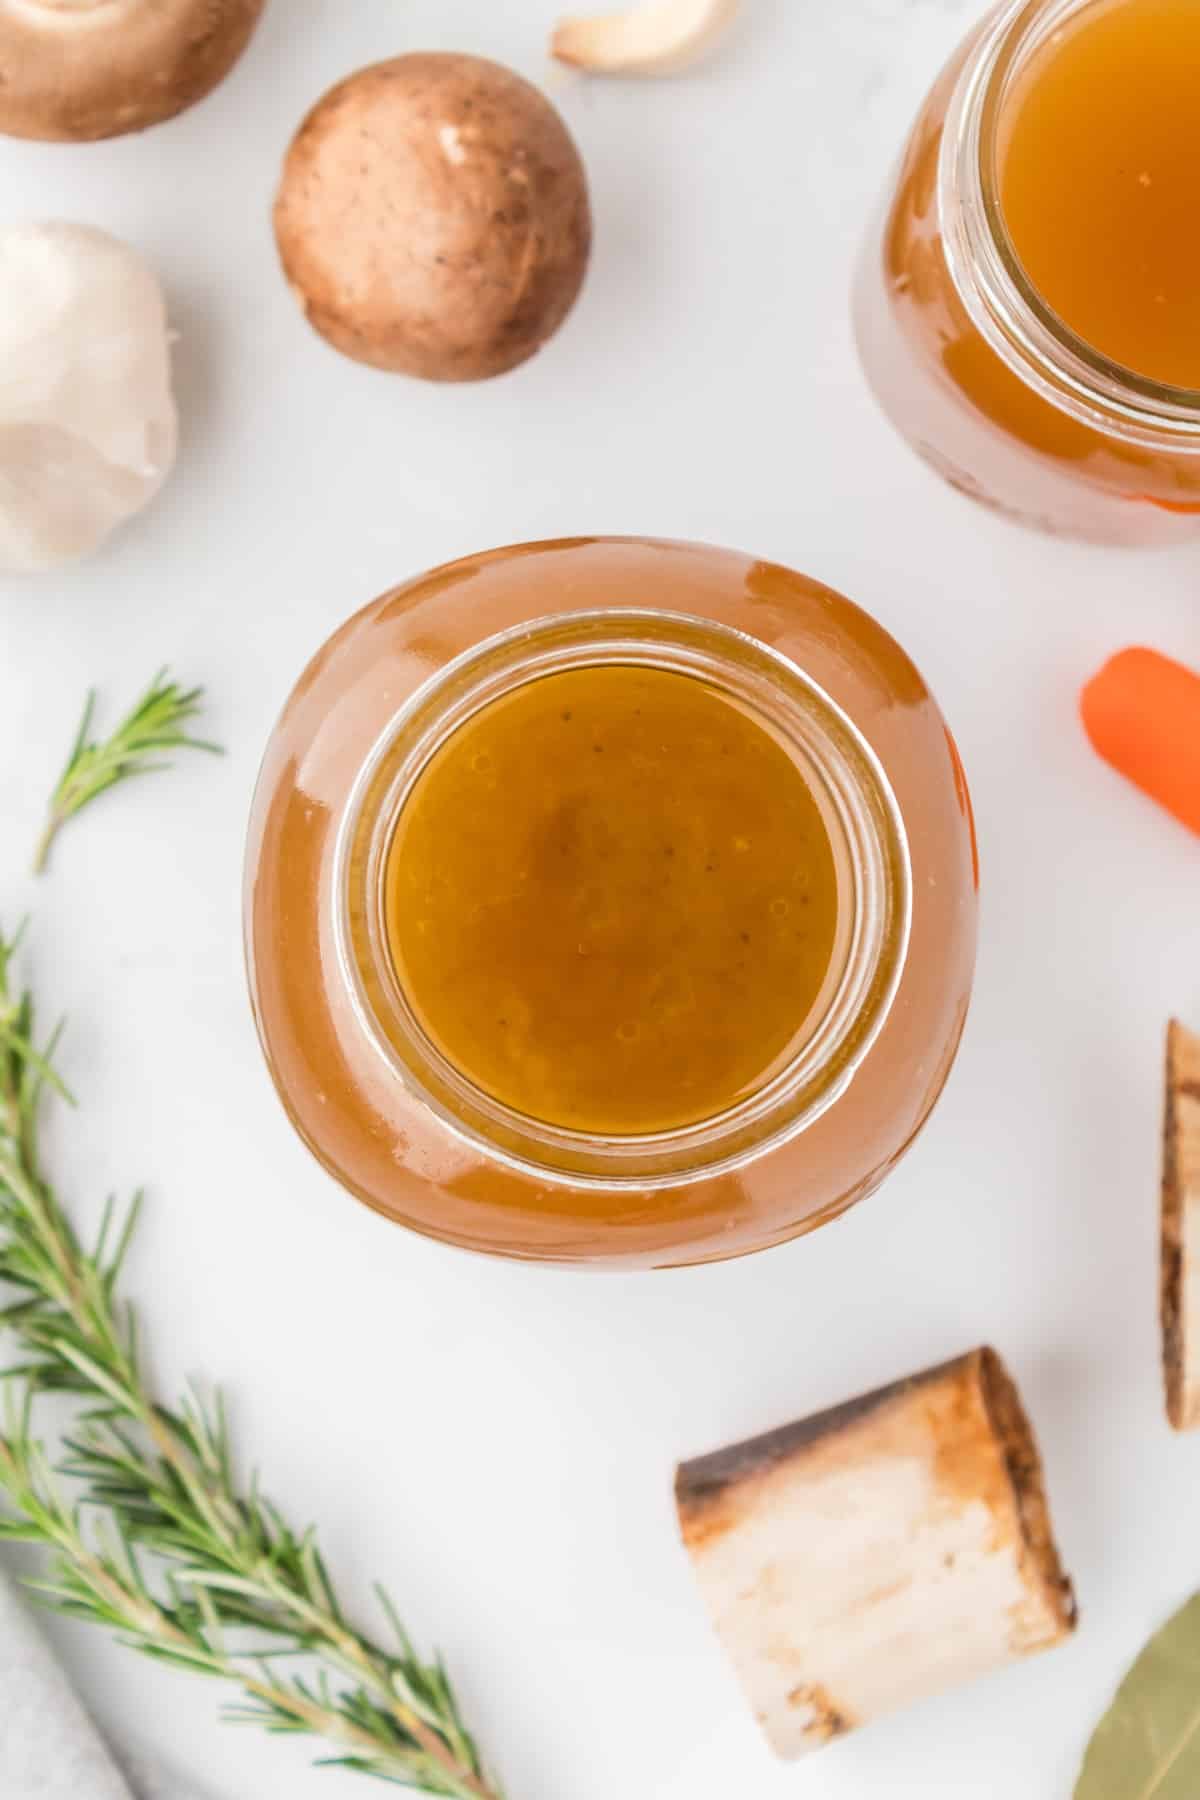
[(1142, 714)]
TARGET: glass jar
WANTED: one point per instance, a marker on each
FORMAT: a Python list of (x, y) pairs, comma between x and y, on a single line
[(375, 1099), (968, 361)]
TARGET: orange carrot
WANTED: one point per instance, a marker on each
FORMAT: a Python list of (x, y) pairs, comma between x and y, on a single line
[(1142, 714)]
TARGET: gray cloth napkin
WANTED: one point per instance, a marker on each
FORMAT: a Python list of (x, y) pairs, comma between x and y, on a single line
[(148, 1780), (49, 1748)]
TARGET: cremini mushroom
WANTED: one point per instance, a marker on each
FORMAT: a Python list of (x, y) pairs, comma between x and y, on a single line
[(79, 69), (433, 217), (656, 38), (87, 418)]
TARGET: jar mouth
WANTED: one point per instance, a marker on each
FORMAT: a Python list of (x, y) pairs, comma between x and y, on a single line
[(1003, 302), (875, 897)]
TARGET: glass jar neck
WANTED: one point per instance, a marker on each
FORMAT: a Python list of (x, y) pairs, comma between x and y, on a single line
[(1003, 304), (874, 895)]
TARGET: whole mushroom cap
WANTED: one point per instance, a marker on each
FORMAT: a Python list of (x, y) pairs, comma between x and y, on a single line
[(433, 217), (73, 70)]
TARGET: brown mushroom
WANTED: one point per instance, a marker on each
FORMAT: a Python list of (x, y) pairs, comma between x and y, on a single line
[(433, 218), (73, 70)]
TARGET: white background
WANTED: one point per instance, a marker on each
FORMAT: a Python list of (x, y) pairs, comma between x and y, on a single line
[(497, 1442)]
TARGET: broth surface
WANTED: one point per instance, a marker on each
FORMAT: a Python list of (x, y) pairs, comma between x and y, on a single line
[(612, 900), (1100, 181)]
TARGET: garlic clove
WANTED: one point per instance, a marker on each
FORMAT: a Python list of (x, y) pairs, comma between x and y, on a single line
[(656, 38), (88, 426)]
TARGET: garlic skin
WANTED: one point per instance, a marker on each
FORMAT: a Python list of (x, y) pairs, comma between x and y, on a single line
[(88, 425)]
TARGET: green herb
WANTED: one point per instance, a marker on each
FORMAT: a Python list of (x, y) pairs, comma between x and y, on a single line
[(1148, 1745), (136, 747), (232, 1588)]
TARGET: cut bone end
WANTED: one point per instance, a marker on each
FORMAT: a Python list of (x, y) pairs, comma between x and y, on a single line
[(1181, 1229), (878, 1553), (658, 38)]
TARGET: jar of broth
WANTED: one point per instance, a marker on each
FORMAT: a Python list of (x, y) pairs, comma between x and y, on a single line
[(611, 902), (1028, 317)]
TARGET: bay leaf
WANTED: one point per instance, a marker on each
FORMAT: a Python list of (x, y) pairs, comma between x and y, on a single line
[(1147, 1747)]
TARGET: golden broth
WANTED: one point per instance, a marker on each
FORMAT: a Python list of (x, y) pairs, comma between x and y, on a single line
[(612, 900), (1100, 179)]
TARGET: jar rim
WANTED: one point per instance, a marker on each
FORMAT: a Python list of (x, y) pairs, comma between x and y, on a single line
[(877, 932), (1004, 304)]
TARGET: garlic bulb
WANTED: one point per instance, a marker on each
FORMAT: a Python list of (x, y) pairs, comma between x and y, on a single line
[(88, 426)]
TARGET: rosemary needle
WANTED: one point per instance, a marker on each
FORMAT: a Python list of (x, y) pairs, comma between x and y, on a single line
[(155, 726), (168, 1549)]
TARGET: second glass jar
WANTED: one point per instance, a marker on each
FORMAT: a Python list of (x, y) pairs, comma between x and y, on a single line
[(964, 354)]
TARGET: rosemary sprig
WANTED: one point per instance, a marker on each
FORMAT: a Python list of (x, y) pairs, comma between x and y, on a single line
[(155, 725), (233, 1589)]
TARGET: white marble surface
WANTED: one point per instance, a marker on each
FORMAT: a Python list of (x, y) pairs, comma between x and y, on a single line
[(497, 1442)]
